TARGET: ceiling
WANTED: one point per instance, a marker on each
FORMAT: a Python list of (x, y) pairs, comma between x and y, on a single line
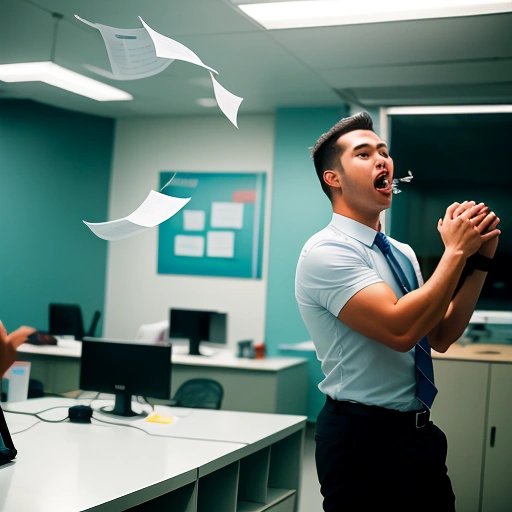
[(464, 60)]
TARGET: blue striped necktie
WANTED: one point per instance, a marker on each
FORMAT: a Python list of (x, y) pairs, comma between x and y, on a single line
[(425, 388)]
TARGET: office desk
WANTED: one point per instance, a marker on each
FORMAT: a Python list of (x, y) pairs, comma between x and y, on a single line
[(207, 461), (277, 384)]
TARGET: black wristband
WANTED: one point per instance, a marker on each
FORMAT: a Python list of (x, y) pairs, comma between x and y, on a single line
[(474, 262), (479, 262)]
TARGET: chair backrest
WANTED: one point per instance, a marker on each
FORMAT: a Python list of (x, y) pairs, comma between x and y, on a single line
[(199, 393), (91, 332)]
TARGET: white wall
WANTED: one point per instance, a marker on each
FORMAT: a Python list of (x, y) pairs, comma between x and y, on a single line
[(135, 293)]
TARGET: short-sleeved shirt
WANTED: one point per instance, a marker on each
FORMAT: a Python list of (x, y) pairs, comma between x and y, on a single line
[(335, 264)]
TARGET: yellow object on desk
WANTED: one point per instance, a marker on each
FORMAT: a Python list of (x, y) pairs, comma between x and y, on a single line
[(159, 418)]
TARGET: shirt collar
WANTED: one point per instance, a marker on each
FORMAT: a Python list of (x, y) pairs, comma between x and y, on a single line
[(353, 229)]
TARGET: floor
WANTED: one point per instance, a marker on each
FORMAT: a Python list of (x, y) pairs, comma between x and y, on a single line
[(310, 497)]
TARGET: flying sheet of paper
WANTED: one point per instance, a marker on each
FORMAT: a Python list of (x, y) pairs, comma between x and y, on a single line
[(131, 53), (228, 102), (139, 53), (166, 47), (155, 209), (170, 49)]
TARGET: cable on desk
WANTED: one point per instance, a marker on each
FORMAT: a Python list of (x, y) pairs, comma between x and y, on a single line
[(146, 401), (25, 429), (36, 414), (158, 435), (128, 425)]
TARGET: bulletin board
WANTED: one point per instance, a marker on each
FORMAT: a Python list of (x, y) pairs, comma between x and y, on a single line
[(220, 231)]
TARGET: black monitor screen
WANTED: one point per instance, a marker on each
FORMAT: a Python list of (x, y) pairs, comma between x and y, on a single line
[(197, 326), (126, 368), (66, 319)]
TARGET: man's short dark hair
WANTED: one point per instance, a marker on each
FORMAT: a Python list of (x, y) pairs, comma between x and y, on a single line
[(326, 153)]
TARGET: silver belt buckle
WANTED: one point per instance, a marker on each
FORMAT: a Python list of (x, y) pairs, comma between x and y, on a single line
[(419, 417)]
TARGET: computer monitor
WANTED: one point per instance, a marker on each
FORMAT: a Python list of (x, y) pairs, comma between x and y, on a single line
[(66, 319), (197, 327), (126, 368)]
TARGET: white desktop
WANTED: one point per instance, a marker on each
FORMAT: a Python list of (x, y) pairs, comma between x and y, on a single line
[(183, 460)]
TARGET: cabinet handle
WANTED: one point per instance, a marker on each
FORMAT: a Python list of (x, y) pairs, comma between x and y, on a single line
[(493, 436)]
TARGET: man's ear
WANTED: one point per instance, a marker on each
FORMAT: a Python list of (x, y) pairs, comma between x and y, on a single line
[(333, 178)]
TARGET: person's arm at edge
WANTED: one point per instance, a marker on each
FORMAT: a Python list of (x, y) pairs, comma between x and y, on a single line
[(9, 343)]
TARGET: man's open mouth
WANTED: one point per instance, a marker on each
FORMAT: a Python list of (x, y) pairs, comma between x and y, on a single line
[(382, 181)]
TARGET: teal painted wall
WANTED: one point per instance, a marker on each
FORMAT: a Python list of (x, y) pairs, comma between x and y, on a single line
[(299, 208), (54, 173)]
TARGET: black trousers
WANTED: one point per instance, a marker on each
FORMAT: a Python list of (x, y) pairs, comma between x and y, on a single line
[(369, 458)]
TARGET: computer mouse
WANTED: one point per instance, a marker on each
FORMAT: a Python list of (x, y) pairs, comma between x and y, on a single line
[(80, 414)]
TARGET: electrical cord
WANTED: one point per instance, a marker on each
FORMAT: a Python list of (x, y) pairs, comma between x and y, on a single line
[(36, 415), (25, 429), (146, 401), (130, 426), (40, 418), (157, 435)]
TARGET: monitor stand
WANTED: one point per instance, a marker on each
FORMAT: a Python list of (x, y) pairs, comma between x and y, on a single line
[(193, 346), (122, 406)]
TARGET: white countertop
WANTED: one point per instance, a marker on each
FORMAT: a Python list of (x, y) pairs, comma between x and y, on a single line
[(217, 358), (64, 348), (483, 352)]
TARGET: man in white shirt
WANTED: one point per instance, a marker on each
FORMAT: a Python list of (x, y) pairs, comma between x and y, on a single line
[(375, 443)]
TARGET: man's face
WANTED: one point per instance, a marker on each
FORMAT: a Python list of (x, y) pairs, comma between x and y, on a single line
[(366, 178)]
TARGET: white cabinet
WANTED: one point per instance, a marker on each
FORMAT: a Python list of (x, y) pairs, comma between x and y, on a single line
[(497, 474), (267, 480), (474, 409)]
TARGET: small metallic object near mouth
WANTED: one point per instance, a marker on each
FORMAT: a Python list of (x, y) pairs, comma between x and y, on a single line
[(396, 181)]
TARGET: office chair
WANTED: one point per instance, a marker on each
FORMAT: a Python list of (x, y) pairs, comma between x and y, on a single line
[(199, 393)]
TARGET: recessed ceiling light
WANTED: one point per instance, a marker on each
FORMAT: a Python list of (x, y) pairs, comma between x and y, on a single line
[(207, 102), (53, 74), (450, 109), (322, 13)]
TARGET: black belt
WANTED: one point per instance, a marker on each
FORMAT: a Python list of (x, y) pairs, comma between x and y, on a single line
[(416, 419)]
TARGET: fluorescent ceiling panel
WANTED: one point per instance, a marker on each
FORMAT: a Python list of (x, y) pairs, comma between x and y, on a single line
[(53, 74), (450, 109), (322, 13)]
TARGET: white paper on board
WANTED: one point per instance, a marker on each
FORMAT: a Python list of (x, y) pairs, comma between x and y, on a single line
[(220, 244), (187, 245), (194, 220), (155, 209), (227, 215)]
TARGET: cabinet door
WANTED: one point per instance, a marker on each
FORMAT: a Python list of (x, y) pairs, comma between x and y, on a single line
[(459, 410), (497, 482)]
